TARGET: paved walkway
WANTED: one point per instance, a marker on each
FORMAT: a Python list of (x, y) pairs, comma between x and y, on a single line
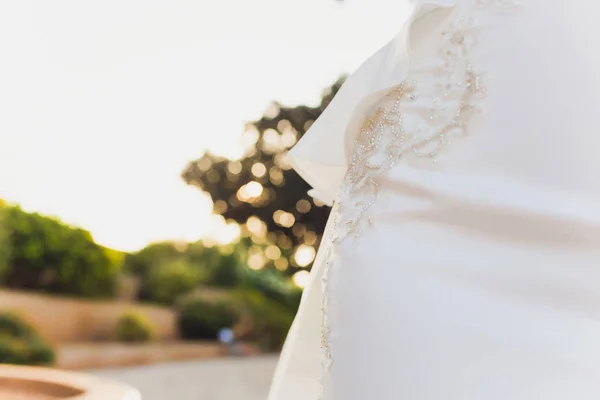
[(223, 379), (112, 355)]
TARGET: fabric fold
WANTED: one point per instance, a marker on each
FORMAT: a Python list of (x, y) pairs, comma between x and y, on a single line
[(320, 157)]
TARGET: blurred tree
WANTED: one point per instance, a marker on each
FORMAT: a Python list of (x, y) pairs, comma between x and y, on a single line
[(227, 271), (47, 255), (160, 263), (263, 321), (201, 318), (171, 280), (273, 285), (261, 191), (166, 271), (142, 263)]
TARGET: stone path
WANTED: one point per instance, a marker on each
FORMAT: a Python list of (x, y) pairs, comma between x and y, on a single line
[(222, 379)]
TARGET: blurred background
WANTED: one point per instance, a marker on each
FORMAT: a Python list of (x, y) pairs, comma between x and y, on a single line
[(151, 228)]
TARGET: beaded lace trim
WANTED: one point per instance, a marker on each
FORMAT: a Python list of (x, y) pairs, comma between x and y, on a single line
[(422, 132), (419, 133)]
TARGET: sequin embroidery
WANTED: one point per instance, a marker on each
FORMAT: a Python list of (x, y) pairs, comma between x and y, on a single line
[(422, 132), (400, 129)]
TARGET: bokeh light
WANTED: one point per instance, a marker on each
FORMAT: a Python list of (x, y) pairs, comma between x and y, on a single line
[(254, 189), (289, 138), (272, 141), (310, 238), (213, 176), (304, 255), (256, 258), (276, 176), (204, 164), (256, 226), (284, 241), (282, 264), (256, 261), (220, 207), (303, 206), (299, 230), (250, 192), (301, 278), (235, 167), (282, 161), (273, 252), (272, 111), (259, 170), (284, 219), (250, 137)]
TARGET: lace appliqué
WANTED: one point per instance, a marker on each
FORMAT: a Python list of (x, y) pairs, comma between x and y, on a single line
[(333, 238), (405, 128)]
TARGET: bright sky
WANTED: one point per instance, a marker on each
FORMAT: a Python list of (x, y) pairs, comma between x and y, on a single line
[(104, 102)]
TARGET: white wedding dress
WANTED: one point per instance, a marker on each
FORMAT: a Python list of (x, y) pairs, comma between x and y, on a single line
[(462, 257)]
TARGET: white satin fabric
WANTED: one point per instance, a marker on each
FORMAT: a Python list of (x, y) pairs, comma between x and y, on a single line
[(321, 156), (479, 274)]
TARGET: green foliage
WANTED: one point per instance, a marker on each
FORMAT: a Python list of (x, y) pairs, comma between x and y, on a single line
[(273, 285), (259, 305), (283, 189), (226, 272), (167, 270), (4, 242), (20, 344), (200, 318), (11, 324), (50, 256), (134, 327), (166, 283), (266, 322), (25, 351), (142, 263)]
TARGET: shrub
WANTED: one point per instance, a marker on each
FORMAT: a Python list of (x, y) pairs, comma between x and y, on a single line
[(13, 325), (47, 255), (202, 319), (169, 281), (4, 242), (20, 343), (225, 272), (134, 327), (275, 286), (167, 270), (265, 321), (143, 263)]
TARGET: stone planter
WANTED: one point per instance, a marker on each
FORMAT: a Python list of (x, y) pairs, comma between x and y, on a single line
[(33, 383)]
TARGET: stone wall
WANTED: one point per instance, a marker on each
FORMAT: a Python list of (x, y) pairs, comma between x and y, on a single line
[(67, 320)]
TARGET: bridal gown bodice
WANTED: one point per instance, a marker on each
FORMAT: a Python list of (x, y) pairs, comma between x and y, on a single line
[(462, 257)]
